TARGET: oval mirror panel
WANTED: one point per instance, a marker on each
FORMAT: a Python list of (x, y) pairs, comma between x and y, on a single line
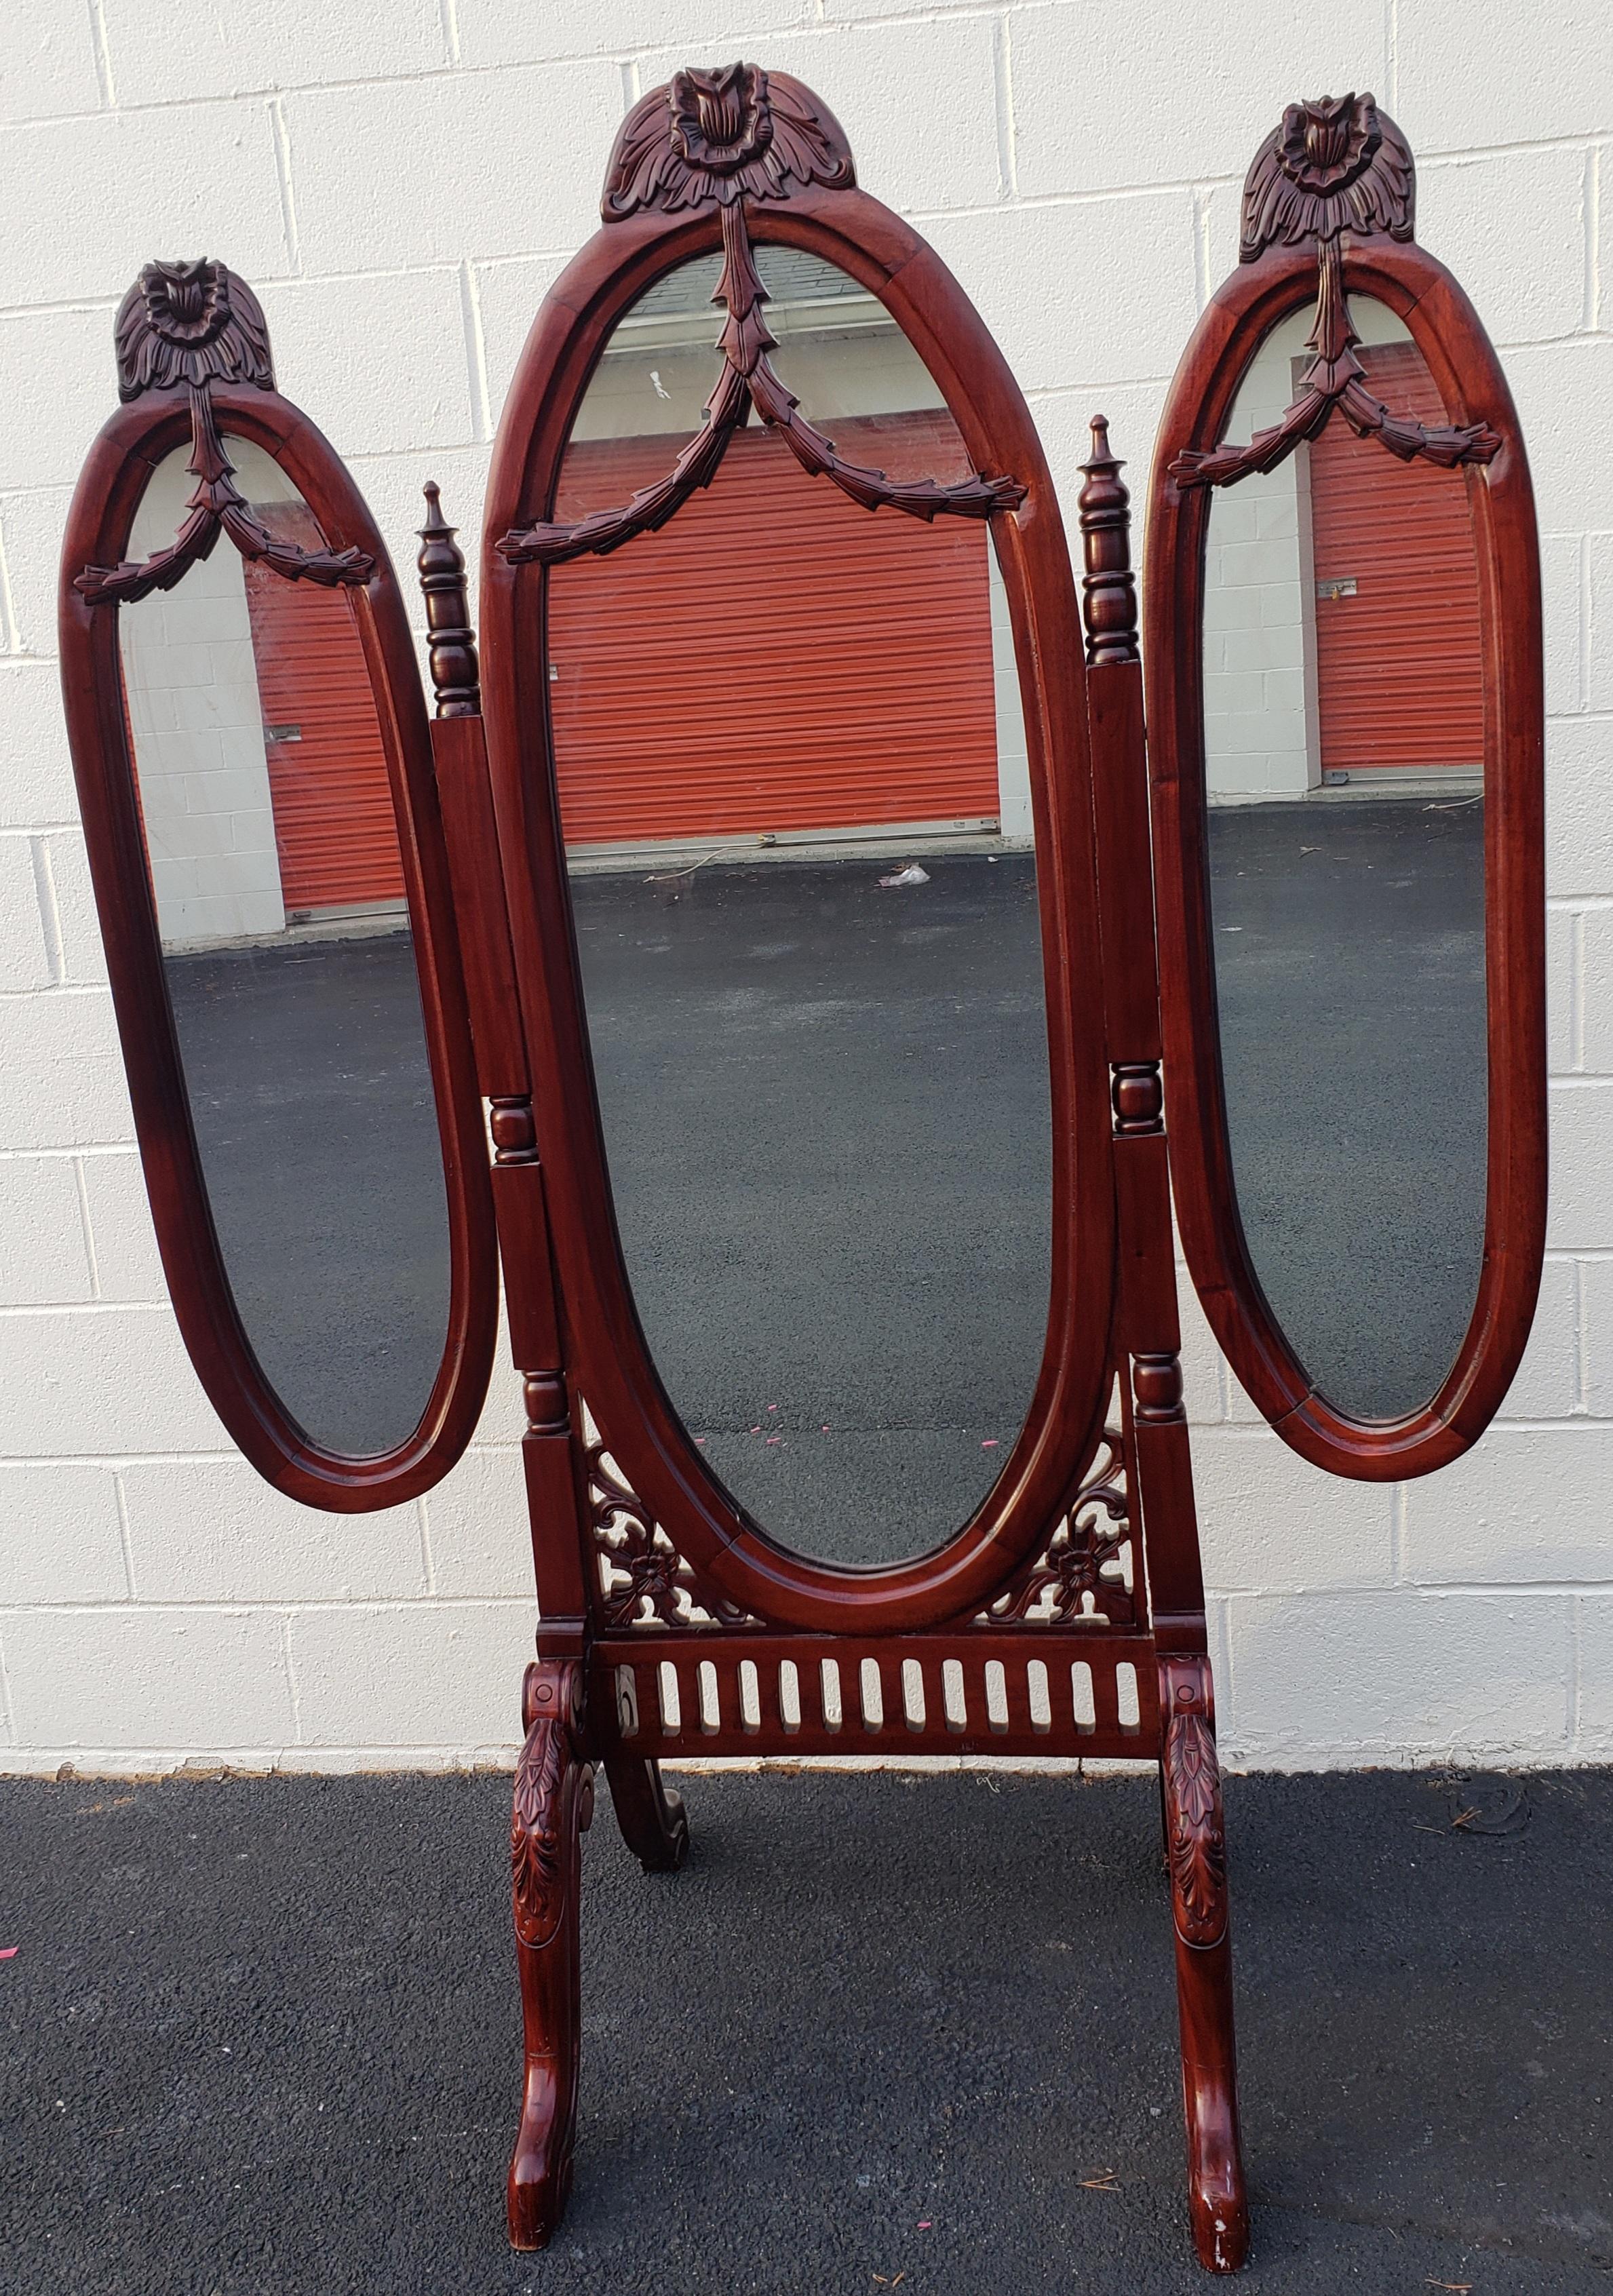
[(1343, 747), (793, 785), (265, 804)]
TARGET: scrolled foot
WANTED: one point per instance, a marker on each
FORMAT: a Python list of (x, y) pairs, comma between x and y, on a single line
[(552, 1803), (654, 1824)]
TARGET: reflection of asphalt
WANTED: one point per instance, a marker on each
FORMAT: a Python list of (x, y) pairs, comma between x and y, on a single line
[(1349, 944), (263, 2040), (826, 1105)]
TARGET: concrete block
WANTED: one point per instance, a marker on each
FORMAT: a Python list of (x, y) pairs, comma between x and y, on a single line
[(392, 486), (1595, 985), (1596, 1298), (1217, 80), (888, 85), (1525, 1506), (31, 527), (1512, 228), (511, 32), (275, 43), (380, 364), (1599, 634), (1565, 607), (25, 955), (1063, 420), (1042, 279), (531, 148), (50, 61), (123, 1241), (1269, 1521), (1579, 823), (476, 1520), (1580, 1217), (1563, 988), (1553, 384), (1562, 85), (59, 385), (185, 175), (60, 1537), (507, 298), (1594, 1673), (212, 1530), (192, 1680), (43, 1259), (64, 1073), (100, 1383), (1547, 1381), (429, 1674), (35, 771), (1323, 1680)]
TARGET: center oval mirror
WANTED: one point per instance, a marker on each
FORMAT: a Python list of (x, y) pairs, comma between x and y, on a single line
[(1344, 700), (798, 818), (277, 877)]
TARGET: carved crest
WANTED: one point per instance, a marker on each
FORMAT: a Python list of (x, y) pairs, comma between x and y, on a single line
[(719, 135), (190, 323), (1079, 1576), (1335, 164)]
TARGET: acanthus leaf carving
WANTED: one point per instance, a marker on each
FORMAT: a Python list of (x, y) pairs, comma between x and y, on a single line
[(721, 135), (644, 1581), (1195, 1835), (747, 381), (537, 1817), (1080, 1574), (1333, 166)]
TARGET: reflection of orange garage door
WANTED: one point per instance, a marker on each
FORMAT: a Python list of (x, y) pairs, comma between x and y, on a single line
[(775, 658), (333, 821), (1399, 672)]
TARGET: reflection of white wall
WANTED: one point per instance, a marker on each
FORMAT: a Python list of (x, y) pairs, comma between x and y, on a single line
[(841, 354), (198, 724), (1260, 716)]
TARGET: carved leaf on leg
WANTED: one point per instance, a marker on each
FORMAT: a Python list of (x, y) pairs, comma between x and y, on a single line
[(537, 1851), (1195, 1835)]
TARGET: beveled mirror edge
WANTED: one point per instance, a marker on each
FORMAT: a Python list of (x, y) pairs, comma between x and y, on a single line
[(612, 1366), (1275, 278), (226, 386)]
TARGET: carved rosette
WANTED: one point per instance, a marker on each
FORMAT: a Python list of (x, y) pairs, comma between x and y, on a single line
[(1079, 1577), (720, 136), (644, 1581), (1194, 1834), (536, 1816), (1336, 166), (188, 326)]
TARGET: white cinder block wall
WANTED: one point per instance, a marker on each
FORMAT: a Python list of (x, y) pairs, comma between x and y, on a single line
[(400, 182)]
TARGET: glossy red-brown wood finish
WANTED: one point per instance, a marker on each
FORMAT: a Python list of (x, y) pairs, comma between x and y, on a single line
[(609, 1358), (1449, 334), (115, 475)]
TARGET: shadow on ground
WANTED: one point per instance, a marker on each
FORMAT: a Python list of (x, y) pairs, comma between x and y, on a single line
[(262, 2039)]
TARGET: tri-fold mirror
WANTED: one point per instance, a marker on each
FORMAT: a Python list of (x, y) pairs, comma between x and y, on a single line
[(769, 934)]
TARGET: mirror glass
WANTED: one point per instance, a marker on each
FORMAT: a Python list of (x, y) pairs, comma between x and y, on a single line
[(793, 782), (278, 882), (1344, 753)]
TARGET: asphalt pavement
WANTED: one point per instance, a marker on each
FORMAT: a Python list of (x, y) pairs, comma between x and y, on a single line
[(262, 2038)]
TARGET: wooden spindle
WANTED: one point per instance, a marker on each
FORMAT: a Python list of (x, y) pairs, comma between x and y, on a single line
[(451, 639), (1108, 591)]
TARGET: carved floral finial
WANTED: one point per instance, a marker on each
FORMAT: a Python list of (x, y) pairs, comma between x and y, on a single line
[(1335, 164), (191, 323), (716, 135)]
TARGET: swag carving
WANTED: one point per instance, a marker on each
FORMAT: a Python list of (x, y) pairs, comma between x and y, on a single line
[(1080, 1574), (188, 325), (747, 381), (1333, 166), (644, 1581)]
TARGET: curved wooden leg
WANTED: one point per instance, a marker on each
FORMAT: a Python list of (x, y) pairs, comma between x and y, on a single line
[(1195, 1844), (650, 1812), (554, 1804)]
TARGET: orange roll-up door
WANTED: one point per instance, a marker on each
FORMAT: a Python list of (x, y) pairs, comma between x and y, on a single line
[(776, 658), (334, 827), (1399, 668)]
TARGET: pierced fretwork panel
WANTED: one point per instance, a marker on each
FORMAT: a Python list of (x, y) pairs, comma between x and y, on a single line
[(642, 1581), (1086, 1573)]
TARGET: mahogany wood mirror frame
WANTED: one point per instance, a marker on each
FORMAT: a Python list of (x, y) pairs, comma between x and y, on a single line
[(194, 370), (1328, 222)]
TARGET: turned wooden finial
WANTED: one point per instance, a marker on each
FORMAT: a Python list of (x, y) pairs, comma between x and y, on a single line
[(1109, 593), (451, 639)]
